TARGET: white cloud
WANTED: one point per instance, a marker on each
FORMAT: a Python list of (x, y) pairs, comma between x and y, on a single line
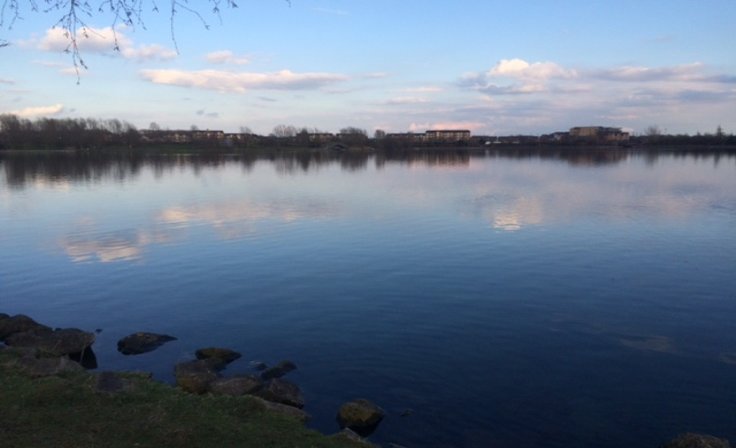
[(6, 81), (38, 111), (225, 57), (148, 53), (407, 100), (469, 125), (240, 82), (519, 68), (423, 89), (103, 40)]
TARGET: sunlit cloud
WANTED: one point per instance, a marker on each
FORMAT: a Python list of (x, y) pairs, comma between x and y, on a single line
[(519, 68), (225, 57), (522, 97), (38, 111), (687, 72), (240, 82), (423, 89), (103, 40), (407, 100), (468, 125)]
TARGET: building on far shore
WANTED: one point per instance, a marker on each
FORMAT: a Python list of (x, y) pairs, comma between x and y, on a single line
[(447, 135), (599, 133), (432, 136)]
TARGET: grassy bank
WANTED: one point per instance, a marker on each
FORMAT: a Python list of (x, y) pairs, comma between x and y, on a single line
[(68, 410)]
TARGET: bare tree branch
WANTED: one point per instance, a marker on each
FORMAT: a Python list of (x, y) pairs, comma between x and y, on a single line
[(74, 14)]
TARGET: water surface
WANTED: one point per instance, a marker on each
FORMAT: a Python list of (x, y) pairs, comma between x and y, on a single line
[(526, 300)]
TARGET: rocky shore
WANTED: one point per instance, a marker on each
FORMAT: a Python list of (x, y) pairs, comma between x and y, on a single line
[(41, 364), (38, 351)]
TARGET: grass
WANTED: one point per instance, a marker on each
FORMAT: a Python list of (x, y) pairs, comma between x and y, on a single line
[(66, 411)]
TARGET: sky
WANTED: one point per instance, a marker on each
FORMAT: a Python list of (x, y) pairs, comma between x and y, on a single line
[(493, 67)]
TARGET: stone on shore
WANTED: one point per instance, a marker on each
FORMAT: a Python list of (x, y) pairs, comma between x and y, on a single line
[(19, 323), (40, 367), (692, 440), (223, 356), (67, 341), (236, 386), (195, 376), (142, 342), (289, 411), (362, 416), (279, 370), (282, 391)]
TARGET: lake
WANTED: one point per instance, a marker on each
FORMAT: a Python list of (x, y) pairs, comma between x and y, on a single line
[(489, 299)]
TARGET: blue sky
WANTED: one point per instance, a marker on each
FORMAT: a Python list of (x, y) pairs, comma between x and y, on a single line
[(495, 67)]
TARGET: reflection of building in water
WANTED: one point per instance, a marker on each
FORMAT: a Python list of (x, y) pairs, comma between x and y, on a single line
[(599, 133)]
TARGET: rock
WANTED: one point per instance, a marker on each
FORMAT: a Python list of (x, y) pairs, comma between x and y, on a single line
[(283, 409), (691, 440), (236, 386), (58, 342), (258, 365), (225, 355), (362, 416), (17, 324), (40, 367), (195, 376), (282, 391), (278, 370), (352, 436), (142, 342), (115, 382)]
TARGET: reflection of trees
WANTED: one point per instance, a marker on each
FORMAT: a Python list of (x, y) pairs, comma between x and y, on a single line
[(95, 166)]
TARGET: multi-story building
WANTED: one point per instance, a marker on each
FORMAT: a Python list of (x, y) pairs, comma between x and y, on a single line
[(598, 133), (447, 135)]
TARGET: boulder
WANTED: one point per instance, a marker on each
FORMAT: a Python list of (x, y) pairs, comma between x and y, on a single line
[(258, 365), (17, 324), (289, 411), (195, 376), (278, 370), (40, 367), (142, 342), (60, 342), (282, 391), (362, 416), (236, 386), (224, 355), (692, 440)]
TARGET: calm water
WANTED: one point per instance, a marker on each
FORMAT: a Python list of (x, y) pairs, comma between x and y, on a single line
[(518, 301)]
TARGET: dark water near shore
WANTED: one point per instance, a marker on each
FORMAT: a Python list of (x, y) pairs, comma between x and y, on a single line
[(531, 300)]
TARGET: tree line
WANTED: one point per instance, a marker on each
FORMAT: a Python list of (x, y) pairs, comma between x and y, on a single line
[(66, 133), (90, 133)]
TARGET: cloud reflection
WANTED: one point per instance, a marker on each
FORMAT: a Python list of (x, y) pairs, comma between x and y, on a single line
[(238, 219), (230, 221), (109, 247)]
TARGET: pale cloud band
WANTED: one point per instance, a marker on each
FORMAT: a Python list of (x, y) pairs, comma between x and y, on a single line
[(225, 57), (38, 111), (104, 40), (240, 82)]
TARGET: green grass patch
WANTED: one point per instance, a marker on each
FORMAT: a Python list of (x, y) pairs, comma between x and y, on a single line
[(67, 411)]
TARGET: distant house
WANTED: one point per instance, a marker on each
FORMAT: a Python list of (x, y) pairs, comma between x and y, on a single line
[(182, 136), (599, 133), (447, 135), (406, 136), (321, 137)]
